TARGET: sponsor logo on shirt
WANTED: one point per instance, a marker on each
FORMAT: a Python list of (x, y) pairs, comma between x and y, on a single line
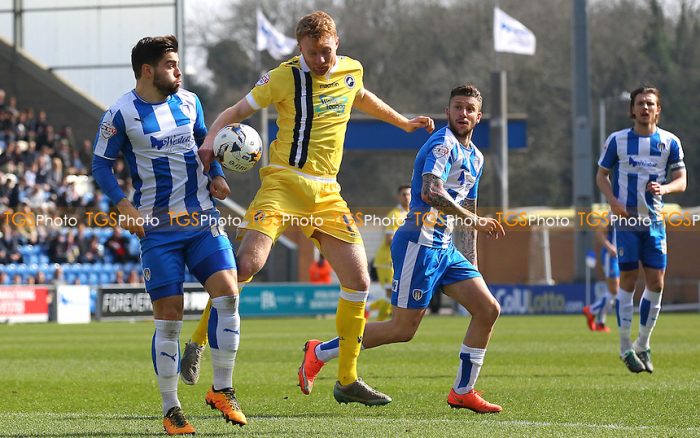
[(107, 130), (264, 79), (641, 163), (349, 81), (331, 104), (173, 140), (440, 151)]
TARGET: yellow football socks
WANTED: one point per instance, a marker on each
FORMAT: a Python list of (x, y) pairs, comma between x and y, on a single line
[(199, 336), (350, 325)]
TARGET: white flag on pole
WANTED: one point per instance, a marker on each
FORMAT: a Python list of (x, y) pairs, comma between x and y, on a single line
[(276, 43), (510, 35)]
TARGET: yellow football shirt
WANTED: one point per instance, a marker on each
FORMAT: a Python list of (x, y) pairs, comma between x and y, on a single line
[(313, 113), (396, 218)]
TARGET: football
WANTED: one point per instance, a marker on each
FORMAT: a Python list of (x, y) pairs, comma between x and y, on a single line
[(238, 147)]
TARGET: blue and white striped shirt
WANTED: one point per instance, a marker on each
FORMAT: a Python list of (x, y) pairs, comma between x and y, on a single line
[(635, 161), (460, 168), (159, 142)]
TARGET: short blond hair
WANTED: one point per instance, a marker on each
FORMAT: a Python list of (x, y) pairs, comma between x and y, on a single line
[(316, 25)]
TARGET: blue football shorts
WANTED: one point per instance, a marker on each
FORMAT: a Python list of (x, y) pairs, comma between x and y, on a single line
[(165, 253), (611, 269), (419, 270), (643, 243)]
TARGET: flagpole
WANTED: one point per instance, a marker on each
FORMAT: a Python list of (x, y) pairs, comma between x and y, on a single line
[(263, 114), (499, 129)]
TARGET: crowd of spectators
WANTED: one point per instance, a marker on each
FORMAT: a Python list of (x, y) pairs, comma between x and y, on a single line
[(43, 171)]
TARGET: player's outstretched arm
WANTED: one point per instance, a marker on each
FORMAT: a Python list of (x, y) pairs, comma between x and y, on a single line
[(434, 194), (234, 114), (370, 104)]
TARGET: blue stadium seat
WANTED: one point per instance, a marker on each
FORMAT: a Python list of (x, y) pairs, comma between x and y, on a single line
[(106, 278), (93, 278)]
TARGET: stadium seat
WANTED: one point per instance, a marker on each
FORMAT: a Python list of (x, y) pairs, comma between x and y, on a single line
[(106, 278), (93, 278)]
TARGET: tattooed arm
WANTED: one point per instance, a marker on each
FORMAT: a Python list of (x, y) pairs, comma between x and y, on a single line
[(465, 236), (435, 195)]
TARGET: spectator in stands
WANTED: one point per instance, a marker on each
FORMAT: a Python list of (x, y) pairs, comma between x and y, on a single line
[(119, 277), (63, 152), (68, 195), (10, 155), (55, 175), (17, 279), (12, 106), (43, 166), (320, 271), (94, 253), (40, 278), (10, 244), (4, 279), (63, 248), (28, 153), (118, 245), (7, 183), (134, 277), (58, 278), (76, 164)]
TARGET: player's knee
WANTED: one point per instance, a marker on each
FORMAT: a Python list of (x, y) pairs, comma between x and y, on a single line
[(248, 267), (404, 336), (405, 331), (169, 314), (363, 281), (494, 310), (360, 283), (655, 285), (489, 312)]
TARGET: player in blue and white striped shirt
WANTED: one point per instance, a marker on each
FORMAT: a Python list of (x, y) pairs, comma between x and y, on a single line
[(158, 128), (644, 163), (445, 180)]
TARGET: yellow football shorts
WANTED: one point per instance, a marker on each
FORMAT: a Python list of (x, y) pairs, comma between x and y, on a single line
[(288, 198), (385, 276)]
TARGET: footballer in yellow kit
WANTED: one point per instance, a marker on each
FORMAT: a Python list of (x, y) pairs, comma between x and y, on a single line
[(305, 157), (313, 94), (382, 258)]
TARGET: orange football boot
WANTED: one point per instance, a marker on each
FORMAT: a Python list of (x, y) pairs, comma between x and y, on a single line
[(310, 366), (225, 401), (472, 400), (175, 423)]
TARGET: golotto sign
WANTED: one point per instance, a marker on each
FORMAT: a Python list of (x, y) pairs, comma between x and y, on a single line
[(24, 304)]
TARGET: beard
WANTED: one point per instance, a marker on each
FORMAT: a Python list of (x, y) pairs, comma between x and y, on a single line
[(458, 130), (165, 87)]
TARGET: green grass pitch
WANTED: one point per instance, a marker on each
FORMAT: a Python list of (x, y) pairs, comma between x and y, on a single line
[(552, 376)]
